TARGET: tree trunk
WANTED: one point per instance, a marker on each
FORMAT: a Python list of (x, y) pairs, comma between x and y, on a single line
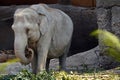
[(65, 2)]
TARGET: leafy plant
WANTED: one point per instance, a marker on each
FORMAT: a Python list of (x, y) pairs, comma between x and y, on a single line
[(45, 76), (62, 75), (7, 77), (110, 41), (24, 75)]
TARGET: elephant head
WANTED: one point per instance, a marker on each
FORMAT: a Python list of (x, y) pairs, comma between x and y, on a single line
[(28, 26)]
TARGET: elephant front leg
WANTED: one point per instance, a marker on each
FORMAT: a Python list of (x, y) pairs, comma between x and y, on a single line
[(34, 63), (43, 48), (41, 62)]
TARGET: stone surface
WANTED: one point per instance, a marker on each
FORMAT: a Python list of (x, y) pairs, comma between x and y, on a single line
[(77, 62), (16, 68), (107, 3), (103, 18), (116, 20)]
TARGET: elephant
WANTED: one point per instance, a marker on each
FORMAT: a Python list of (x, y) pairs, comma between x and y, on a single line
[(41, 33), (84, 21)]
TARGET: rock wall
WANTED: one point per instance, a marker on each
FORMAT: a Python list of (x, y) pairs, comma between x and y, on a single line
[(108, 15)]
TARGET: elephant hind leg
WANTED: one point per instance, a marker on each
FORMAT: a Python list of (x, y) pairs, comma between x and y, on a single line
[(62, 62), (62, 59)]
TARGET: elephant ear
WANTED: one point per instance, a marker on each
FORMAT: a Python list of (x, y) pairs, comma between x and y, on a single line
[(44, 26), (42, 10)]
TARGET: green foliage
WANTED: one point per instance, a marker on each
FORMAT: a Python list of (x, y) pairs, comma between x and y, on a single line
[(45, 76), (107, 38), (111, 41), (7, 77), (26, 75)]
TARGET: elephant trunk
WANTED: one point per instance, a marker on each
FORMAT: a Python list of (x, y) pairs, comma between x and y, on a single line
[(22, 52), (25, 57)]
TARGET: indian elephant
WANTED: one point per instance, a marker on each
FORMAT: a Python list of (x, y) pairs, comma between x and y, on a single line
[(84, 21), (41, 33)]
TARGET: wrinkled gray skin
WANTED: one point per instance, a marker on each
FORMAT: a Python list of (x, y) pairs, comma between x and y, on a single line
[(41, 33)]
